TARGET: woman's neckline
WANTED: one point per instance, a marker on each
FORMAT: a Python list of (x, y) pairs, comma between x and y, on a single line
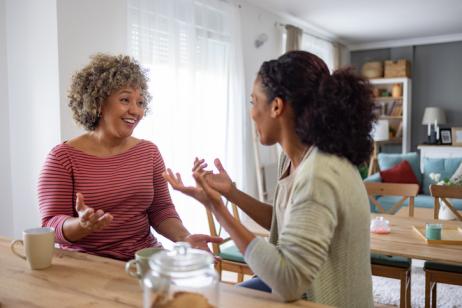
[(140, 141)]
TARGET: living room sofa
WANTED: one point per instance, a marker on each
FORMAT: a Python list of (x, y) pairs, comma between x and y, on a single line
[(444, 166)]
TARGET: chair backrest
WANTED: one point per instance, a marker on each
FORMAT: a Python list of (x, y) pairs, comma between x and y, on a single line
[(405, 191), (444, 192), (216, 229)]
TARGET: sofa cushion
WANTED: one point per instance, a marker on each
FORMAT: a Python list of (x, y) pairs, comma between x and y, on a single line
[(444, 166), (387, 161), (374, 178), (400, 173)]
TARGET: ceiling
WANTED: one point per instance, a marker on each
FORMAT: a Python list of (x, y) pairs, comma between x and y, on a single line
[(359, 22)]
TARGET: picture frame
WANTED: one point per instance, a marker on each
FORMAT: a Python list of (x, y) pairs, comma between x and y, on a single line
[(446, 136), (456, 136)]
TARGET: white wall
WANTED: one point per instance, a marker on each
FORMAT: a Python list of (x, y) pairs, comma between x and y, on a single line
[(41, 44), (86, 27), (257, 20), (6, 206), (33, 93)]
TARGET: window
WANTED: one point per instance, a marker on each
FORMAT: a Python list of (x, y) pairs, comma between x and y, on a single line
[(192, 52)]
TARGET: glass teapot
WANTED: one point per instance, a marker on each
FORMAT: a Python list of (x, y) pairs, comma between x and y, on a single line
[(182, 277)]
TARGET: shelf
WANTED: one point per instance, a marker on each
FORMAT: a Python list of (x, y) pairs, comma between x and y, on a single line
[(378, 81), (385, 117), (394, 110), (390, 141), (387, 99)]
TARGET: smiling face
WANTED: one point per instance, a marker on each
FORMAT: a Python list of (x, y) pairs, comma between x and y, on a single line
[(263, 115), (121, 112)]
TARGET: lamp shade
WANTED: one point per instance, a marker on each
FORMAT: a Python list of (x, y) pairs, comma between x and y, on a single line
[(380, 132), (433, 114)]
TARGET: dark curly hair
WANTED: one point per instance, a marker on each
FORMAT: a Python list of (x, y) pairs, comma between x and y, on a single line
[(332, 112), (94, 83)]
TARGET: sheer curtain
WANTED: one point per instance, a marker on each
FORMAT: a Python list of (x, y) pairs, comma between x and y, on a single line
[(192, 51), (324, 49)]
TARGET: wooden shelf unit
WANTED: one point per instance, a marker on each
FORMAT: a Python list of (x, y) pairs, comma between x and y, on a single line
[(400, 122)]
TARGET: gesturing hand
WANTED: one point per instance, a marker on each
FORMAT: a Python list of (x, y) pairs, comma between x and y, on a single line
[(220, 181), (88, 218), (177, 183), (200, 241)]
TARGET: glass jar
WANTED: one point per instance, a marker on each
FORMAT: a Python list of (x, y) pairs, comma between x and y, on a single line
[(182, 277)]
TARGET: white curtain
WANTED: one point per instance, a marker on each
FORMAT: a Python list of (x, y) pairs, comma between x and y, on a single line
[(192, 49), (327, 51)]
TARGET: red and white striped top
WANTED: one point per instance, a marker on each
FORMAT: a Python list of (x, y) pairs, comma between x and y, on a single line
[(129, 185)]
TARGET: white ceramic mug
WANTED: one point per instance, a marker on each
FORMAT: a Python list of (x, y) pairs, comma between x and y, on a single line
[(140, 265), (38, 245)]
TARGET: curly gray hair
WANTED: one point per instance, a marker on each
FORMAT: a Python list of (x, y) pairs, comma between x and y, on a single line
[(104, 75)]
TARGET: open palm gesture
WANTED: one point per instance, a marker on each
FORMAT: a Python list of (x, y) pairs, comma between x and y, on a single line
[(177, 183)]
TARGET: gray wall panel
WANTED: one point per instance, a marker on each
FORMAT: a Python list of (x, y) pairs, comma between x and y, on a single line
[(436, 80)]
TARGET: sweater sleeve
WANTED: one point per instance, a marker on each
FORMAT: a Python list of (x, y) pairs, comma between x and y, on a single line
[(55, 194), (304, 243), (162, 206)]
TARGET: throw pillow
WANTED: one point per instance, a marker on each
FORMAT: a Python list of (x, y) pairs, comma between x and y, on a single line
[(457, 174), (444, 166), (389, 160), (400, 173)]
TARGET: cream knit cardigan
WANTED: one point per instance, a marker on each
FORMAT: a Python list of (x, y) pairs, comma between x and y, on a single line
[(322, 250)]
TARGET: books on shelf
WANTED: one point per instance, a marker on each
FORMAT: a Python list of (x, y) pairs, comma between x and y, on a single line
[(397, 110)]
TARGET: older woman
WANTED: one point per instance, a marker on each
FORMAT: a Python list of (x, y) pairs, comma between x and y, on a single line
[(319, 243), (103, 190)]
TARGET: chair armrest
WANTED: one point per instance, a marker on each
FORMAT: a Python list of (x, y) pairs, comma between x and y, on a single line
[(373, 178)]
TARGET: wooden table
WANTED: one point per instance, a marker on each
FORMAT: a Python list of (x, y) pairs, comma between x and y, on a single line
[(82, 280), (405, 242)]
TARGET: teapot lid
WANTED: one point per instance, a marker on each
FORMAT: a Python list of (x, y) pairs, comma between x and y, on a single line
[(182, 258)]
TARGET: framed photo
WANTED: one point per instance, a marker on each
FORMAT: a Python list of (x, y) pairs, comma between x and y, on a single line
[(445, 134), (457, 136)]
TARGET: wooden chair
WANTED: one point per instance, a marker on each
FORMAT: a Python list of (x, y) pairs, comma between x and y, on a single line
[(393, 266), (441, 272), (443, 192), (405, 191), (396, 268), (231, 258)]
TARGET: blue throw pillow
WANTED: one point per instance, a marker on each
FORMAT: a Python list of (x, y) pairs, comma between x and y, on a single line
[(444, 166), (388, 161)]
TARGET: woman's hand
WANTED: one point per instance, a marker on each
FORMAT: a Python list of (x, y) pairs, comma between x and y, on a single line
[(213, 195), (177, 183), (200, 241), (220, 181), (90, 220)]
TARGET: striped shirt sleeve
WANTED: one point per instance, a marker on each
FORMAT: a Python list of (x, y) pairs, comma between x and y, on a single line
[(55, 191), (162, 206)]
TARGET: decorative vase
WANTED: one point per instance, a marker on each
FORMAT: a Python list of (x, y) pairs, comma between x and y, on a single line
[(396, 90), (445, 213)]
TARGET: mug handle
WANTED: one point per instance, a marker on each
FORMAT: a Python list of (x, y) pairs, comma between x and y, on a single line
[(130, 268), (12, 244)]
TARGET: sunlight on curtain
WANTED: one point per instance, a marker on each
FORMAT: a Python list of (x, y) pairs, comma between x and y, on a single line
[(193, 53), (326, 50)]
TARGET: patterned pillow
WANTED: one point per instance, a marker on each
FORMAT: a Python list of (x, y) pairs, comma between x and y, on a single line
[(457, 173)]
